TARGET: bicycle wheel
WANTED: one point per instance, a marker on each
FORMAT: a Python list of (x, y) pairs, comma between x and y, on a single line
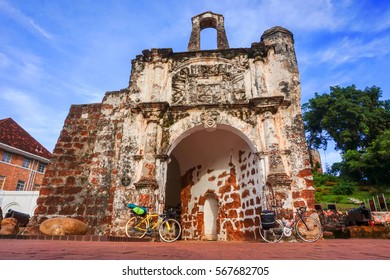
[(274, 234), (136, 227), (308, 229), (169, 230)]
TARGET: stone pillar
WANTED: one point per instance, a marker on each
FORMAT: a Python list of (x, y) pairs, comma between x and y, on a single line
[(148, 170), (161, 175), (260, 84), (148, 184), (278, 181), (157, 81), (272, 145)]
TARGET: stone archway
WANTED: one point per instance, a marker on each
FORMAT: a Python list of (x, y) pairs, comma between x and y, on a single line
[(12, 206), (222, 163)]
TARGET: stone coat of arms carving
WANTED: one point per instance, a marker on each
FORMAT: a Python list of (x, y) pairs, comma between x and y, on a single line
[(205, 84)]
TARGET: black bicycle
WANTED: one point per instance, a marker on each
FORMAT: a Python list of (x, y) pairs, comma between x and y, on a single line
[(272, 228)]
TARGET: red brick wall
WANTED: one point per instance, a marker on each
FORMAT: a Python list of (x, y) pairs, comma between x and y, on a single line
[(66, 186), (13, 171)]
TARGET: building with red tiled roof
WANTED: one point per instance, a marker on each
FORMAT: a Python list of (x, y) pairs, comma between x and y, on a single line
[(23, 159)]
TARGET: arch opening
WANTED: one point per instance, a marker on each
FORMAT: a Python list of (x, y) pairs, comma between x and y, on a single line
[(218, 162)]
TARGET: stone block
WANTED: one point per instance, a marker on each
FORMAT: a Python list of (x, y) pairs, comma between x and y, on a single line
[(46, 191), (41, 209), (63, 226), (9, 226)]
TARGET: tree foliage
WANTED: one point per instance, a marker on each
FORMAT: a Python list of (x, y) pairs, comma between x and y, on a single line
[(372, 163), (351, 117), (359, 124)]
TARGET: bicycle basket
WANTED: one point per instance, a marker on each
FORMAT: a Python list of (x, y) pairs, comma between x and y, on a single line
[(267, 219), (139, 210)]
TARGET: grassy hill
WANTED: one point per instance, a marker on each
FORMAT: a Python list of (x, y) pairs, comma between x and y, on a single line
[(345, 194)]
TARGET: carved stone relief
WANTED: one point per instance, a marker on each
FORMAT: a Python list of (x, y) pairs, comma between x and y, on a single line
[(203, 83), (210, 119)]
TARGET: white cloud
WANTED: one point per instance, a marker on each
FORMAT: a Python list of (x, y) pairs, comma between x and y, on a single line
[(24, 103), (350, 50), (24, 20), (86, 93), (21, 67), (39, 29), (42, 122)]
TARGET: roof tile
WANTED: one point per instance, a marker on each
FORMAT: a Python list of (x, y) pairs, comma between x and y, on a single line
[(14, 135)]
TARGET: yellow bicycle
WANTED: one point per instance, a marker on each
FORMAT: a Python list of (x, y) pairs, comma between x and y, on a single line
[(168, 228)]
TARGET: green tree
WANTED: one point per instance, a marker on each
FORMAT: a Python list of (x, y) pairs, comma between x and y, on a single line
[(372, 163), (359, 124), (351, 117)]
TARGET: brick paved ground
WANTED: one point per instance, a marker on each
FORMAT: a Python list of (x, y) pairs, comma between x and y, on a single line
[(335, 249)]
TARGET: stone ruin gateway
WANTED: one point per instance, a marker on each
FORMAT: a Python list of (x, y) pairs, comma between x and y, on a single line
[(217, 134)]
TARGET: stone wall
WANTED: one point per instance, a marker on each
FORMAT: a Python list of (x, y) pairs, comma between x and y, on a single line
[(66, 186)]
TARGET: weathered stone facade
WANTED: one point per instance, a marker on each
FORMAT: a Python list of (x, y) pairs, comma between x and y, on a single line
[(217, 134)]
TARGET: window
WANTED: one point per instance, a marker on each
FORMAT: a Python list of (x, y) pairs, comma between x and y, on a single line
[(20, 185), (2, 182), (26, 163), (6, 157), (41, 167)]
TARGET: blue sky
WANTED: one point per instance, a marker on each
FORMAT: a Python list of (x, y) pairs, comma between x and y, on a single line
[(55, 53)]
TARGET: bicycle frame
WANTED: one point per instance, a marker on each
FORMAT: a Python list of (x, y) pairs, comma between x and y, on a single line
[(168, 229), (150, 224), (288, 228)]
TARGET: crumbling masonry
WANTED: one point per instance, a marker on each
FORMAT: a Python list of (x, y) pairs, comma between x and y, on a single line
[(217, 134)]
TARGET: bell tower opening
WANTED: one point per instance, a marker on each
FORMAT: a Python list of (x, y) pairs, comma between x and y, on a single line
[(208, 39), (208, 20)]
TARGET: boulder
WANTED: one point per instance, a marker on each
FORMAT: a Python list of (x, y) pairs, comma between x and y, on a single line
[(63, 226), (9, 226)]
